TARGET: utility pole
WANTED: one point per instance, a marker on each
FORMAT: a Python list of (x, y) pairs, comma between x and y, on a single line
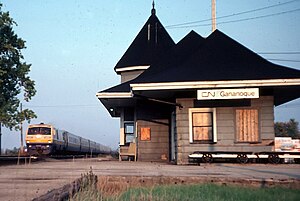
[(21, 129), (0, 139), (213, 15)]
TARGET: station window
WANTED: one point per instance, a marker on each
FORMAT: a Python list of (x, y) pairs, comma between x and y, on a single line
[(247, 125), (202, 125), (129, 132)]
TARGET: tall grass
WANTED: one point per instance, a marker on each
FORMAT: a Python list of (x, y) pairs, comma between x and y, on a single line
[(104, 190), (211, 192)]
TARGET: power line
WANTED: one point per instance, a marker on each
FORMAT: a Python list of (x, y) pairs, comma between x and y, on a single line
[(239, 20), (59, 106), (288, 106), (278, 52), (289, 60), (231, 15), (70, 106)]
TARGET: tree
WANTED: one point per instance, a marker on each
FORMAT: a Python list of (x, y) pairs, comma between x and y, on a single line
[(14, 78), (287, 129)]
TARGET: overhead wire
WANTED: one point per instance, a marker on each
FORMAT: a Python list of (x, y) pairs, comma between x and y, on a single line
[(239, 20), (72, 106), (181, 25), (58, 106), (288, 60), (281, 53), (288, 106), (278, 52), (231, 15)]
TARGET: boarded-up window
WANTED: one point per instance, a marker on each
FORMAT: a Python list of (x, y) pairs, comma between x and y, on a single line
[(202, 126), (247, 125), (145, 134)]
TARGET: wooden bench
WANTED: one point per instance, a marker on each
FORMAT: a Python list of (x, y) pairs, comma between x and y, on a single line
[(130, 152)]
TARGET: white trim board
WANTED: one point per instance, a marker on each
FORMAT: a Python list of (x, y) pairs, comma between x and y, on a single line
[(214, 84), (132, 68), (114, 95)]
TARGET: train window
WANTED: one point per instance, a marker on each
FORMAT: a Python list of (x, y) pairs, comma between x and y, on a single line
[(129, 132), (39, 131)]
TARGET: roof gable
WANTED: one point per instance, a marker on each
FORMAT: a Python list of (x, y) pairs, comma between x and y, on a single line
[(184, 48), (176, 55), (222, 58), (152, 41), (198, 63)]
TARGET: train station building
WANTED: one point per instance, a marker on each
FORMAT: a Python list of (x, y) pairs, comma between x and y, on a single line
[(200, 94)]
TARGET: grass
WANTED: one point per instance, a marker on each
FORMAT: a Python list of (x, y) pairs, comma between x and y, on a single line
[(211, 192), (117, 192)]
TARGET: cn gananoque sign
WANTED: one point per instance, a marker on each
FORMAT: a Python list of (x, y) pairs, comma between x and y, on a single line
[(212, 94)]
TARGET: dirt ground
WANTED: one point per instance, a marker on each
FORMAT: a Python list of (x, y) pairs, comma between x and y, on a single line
[(28, 181)]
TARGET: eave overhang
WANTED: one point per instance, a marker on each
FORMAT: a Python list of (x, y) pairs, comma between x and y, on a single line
[(214, 84), (131, 68), (283, 90), (101, 95)]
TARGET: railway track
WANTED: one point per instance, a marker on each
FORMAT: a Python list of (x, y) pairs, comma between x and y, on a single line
[(20, 160), (15, 160)]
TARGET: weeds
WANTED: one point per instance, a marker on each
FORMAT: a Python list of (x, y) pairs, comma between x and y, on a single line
[(87, 188), (123, 190)]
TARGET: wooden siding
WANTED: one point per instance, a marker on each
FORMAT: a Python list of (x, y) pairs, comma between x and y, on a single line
[(225, 129), (156, 117), (158, 146)]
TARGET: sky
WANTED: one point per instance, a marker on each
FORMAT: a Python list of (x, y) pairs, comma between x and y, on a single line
[(73, 46)]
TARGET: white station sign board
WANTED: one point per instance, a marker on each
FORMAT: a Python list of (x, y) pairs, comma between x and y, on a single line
[(212, 94)]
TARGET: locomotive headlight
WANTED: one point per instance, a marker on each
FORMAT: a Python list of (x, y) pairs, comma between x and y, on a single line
[(47, 146), (27, 141), (29, 145), (49, 141)]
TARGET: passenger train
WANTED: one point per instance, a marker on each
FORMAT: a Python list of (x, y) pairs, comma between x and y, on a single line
[(44, 139)]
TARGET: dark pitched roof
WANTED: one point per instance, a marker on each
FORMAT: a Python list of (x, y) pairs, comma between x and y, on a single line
[(152, 41), (222, 58), (216, 58), (176, 55), (183, 49), (123, 87)]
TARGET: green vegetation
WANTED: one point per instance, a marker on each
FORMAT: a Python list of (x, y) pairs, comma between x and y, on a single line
[(14, 75), (287, 129), (195, 192)]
